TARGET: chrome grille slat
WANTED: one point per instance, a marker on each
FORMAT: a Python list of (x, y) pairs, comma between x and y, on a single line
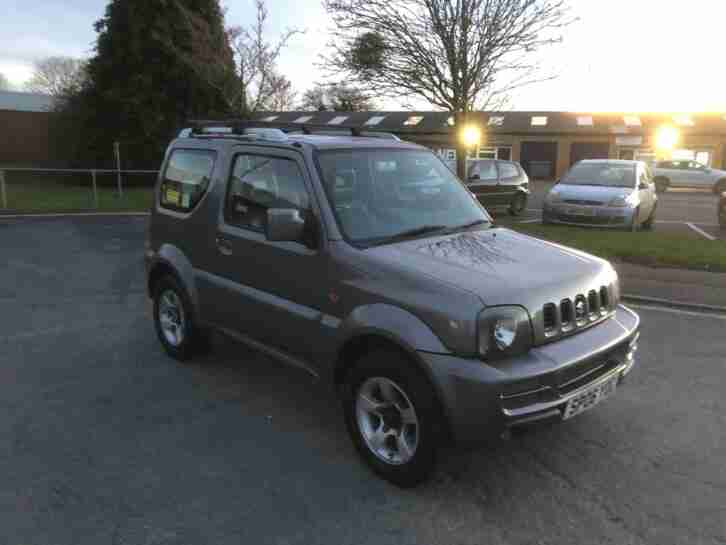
[(562, 318)]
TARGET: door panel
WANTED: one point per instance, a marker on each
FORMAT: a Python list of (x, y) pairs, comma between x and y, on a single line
[(274, 292)]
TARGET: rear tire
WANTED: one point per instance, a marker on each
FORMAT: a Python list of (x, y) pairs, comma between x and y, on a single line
[(719, 187), (174, 321), (393, 417), (518, 205), (634, 224)]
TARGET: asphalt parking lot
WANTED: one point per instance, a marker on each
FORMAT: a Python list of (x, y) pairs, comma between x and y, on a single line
[(103, 439), (677, 208)]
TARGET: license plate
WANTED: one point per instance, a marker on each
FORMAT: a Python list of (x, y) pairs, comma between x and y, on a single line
[(589, 398)]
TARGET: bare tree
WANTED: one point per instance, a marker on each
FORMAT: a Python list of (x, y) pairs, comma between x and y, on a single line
[(4, 83), (337, 97), (57, 76), (259, 83), (459, 55), (282, 95)]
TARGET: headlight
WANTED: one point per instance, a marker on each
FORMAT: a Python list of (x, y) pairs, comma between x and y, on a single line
[(553, 197), (620, 202), (503, 332)]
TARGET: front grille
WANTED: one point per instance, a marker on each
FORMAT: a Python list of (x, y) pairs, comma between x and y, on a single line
[(579, 311), (583, 202)]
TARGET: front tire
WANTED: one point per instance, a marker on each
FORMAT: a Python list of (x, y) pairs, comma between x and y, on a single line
[(393, 417), (174, 321), (648, 224), (661, 185)]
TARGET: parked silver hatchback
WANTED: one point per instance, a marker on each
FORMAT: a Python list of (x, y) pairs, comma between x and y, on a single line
[(367, 263), (604, 193)]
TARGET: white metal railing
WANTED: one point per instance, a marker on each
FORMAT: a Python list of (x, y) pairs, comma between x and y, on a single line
[(92, 171)]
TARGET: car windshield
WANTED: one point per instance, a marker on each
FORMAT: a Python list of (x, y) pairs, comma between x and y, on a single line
[(382, 195), (604, 174)]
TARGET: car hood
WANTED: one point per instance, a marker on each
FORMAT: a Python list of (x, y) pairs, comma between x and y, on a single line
[(593, 193), (501, 267)]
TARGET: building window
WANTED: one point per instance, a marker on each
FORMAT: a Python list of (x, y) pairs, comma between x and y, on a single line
[(337, 120), (186, 179), (584, 121), (270, 118), (413, 120), (375, 120), (487, 153), (303, 119), (496, 121), (631, 121), (539, 120)]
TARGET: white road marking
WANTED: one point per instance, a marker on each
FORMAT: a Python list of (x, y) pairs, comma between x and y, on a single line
[(678, 311), (701, 231), (531, 221)]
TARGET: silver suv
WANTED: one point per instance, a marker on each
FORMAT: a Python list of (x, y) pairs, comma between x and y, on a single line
[(367, 263)]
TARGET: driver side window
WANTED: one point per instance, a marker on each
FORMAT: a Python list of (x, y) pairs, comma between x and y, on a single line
[(259, 183)]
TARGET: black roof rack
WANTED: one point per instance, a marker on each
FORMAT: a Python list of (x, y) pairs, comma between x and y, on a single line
[(246, 129)]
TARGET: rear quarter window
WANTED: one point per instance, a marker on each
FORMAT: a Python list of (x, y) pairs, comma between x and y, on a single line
[(508, 170), (186, 179)]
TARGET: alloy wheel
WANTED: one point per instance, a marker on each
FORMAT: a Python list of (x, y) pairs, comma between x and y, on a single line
[(387, 420)]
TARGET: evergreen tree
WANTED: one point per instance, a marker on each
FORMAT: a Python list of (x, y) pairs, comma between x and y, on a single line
[(149, 74)]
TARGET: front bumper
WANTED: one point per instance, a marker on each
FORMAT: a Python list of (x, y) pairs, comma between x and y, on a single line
[(483, 401), (590, 216)]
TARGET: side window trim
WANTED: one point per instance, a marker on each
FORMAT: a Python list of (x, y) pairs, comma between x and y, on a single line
[(166, 208)]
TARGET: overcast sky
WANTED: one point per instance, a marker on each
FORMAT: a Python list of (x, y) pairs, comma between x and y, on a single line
[(623, 55)]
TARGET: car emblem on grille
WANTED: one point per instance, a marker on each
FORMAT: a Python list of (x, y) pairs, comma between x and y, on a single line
[(580, 309)]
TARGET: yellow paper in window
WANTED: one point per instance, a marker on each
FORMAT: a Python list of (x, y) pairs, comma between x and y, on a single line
[(172, 196)]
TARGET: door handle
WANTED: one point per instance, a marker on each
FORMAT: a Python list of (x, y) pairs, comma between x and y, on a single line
[(224, 246)]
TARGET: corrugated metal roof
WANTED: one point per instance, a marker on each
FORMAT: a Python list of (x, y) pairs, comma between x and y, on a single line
[(25, 102), (518, 121)]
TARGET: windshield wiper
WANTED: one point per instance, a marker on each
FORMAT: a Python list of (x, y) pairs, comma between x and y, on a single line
[(423, 230), (468, 225)]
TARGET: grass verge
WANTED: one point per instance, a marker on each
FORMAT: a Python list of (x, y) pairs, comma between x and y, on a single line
[(52, 196), (652, 248)]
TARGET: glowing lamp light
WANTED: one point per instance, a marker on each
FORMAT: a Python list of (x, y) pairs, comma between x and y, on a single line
[(471, 136), (666, 138)]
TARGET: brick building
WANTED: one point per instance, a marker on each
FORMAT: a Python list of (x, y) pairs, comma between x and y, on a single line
[(546, 143), (24, 129)]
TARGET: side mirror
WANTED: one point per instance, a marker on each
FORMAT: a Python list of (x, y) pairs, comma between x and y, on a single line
[(284, 225), (474, 177), (643, 185)]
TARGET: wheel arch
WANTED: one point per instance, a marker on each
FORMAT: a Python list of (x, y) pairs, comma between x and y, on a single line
[(170, 260), (369, 340)]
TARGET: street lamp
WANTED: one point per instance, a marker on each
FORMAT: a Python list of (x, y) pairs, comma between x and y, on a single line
[(470, 136), (666, 138)]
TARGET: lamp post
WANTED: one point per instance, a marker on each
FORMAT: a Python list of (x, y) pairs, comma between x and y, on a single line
[(666, 139), (470, 137)]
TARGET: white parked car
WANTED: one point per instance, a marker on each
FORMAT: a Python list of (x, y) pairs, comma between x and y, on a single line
[(687, 173)]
